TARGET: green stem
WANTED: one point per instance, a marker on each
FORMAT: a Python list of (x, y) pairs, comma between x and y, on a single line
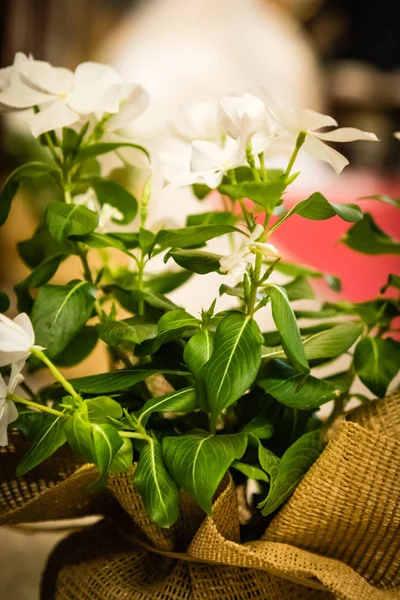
[(41, 407), (252, 164), (52, 149), (254, 285), (140, 284), (56, 373), (262, 166), (133, 435), (299, 142)]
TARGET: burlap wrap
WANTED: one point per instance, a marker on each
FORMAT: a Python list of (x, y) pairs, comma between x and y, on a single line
[(337, 536)]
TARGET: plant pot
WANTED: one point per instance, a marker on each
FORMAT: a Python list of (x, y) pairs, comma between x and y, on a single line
[(337, 536)]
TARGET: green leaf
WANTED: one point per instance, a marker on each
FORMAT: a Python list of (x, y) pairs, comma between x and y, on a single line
[(198, 351), (176, 320), (299, 289), (64, 220), (332, 342), (78, 348), (250, 471), (292, 467), (179, 401), (116, 381), (286, 324), (392, 282), (325, 344), (382, 198), (164, 283), (188, 237), (101, 240), (377, 362), (123, 459), (31, 169), (59, 313), (29, 422), (4, 302), (234, 363), (104, 148), (128, 331), (147, 240), (97, 443), (111, 192), (153, 482), (201, 190), (50, 438), (282, 382), (38, 277), (70, 141), (196, 260), (211, 218), (368, 238), (268, 460), (101, 408), (260, 427), (154, 299), (318, 208), (198, 462), (42, 246), (295, 270), (106, 443), (267, 194)]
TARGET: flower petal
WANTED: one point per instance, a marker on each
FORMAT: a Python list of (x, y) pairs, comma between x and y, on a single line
[(12, 412), (347, 134), (309, 120), (3, 387), (19, 95), (205, 156), (198, 122), (55, 116), (233, 109), (318, 149), (15, 375), (24, 322), (134, 101), (95, 89), (44, 77)]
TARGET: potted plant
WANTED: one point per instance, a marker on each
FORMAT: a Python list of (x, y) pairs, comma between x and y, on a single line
[(199, 404)]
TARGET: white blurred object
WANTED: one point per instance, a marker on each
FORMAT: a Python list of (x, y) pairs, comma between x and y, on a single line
[(188, 51), (183, 51)]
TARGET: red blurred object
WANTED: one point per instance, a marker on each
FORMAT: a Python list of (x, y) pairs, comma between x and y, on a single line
[(317, 243)]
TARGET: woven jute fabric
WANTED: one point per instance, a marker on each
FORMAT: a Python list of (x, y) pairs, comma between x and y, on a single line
[(337, 536)]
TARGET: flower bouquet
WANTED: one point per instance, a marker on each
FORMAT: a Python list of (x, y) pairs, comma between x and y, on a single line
[(196, 411)]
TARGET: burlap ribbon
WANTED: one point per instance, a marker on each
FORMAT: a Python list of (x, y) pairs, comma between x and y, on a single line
[(338, 535)]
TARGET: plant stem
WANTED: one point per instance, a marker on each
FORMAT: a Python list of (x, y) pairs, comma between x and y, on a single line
[(299, 142), (254, 284), (52, 149), (140, 284), (133, 435), (41, 407), (252, 164), (262, 166), (56, 373)]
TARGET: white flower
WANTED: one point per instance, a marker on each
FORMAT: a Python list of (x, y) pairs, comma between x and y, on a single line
[(64, 97), (133, 101), (245, 114), (236, 264), (8, 410), (397, 135), (107, 213), (198, 122), (202, 162), (16, 340), (291, 122)]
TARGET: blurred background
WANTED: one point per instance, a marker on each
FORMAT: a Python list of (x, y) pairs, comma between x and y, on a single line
[(341, 57)]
